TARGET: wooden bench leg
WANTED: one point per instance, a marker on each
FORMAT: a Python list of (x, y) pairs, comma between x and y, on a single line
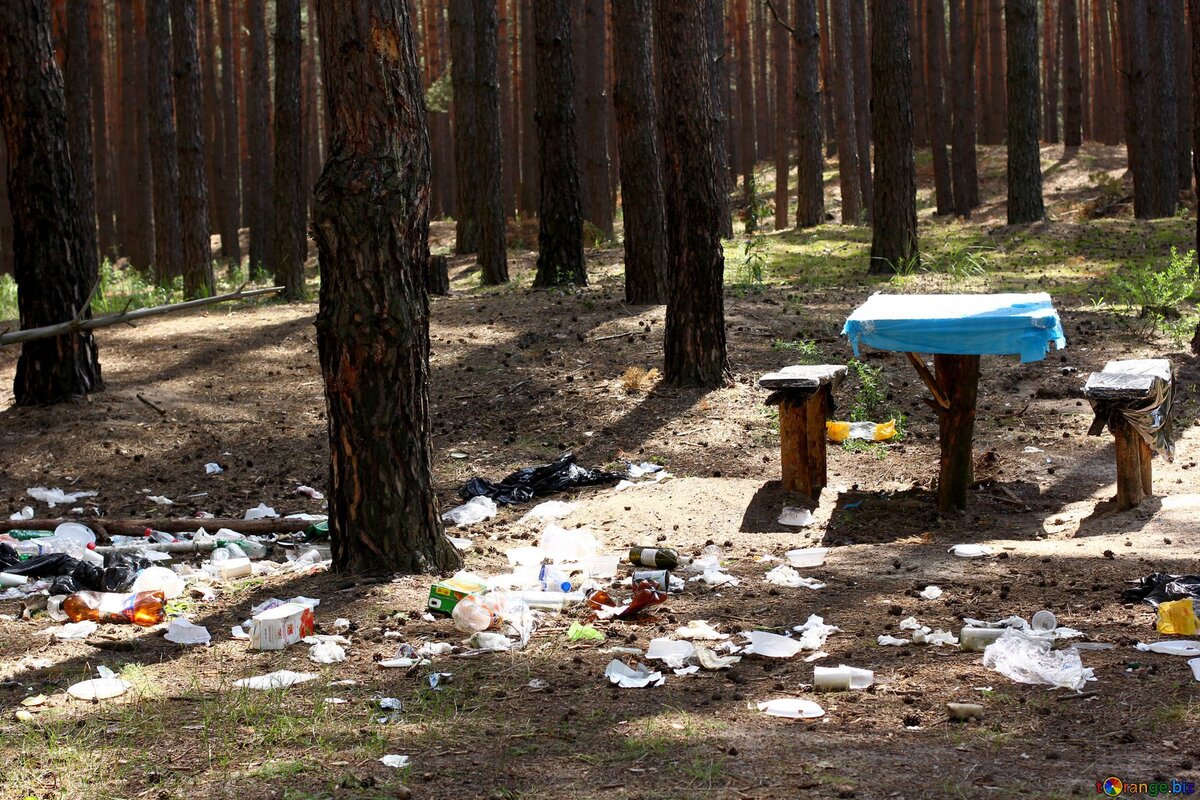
[(958, 378), (817, 455), (1132, 477), (1147, 482), (802, 443)]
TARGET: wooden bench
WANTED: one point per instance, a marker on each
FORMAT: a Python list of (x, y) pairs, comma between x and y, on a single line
[(1124, 389), (804, 395)]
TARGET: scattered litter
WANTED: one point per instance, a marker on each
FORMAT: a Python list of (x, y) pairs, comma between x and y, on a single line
[(783, 575), (341, 624), (281, 625), (24, 513), (700, 629), (560, 544), (159, 500), (795, 517), (1177, 617), (53, 497), (636, 677), (932, 592), (529, 482), (807, 557), (1043, 621), (867, 431), (583, 633), (964, 712), (261, 511), (213, 468), (715, 577), (461, 544), (1031, 449), (687, 670), (770, 645), (104, 688), (487, 641), (710, 659), (672, 652), (549, 511), (977, 639), (934, 639), (891, 641), (181, 631), (475, 510), (1194, 663), (911, 624), (538, 685), (1159, 587), (73, 631), (814, 632), (309, 491), (36, 700), (970, 550), (326, 652), (336, 701), (395, 761), (841, 678), (791, 708), (1028, 659), (279, 679), (1185, 647), (817, 656), (390, 703)]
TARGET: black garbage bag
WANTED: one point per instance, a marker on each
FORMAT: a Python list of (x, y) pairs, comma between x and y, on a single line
[(8, 556), (529, 482), (118, 573), (64, 584), (1159, 587), (47, 566)]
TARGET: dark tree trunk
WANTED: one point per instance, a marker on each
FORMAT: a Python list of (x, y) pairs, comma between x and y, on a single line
[(164, 152), (694, 340), (597, 190), (98, 46), (1183, 69), (1101, 112), (1072, 87), (79, 129), (51, 268), (291, 204), (641, 158), (508, 129), (1194, 29), (1164, 106), (921, 111), (530, 179), (560, 215), (215, 166), (962, 95), (939, 122), (810, 164), (826, 78), (466, 148), (894, 234), (718, 82), (995, 12), (1050, 72), (241, 58), (310, 113), (231, 204), (862, 102), (372, 227), (488, 173), (193, 197), (1137, 106), (844, 108), (763, 142), (136, 218), (745, 98), (6, 222), (261, 195), (781, 72), (1024, 156)]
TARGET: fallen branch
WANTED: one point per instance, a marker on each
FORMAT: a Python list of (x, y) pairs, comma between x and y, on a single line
[(78, 324), (616, 336), (152, 404), (136, 527)]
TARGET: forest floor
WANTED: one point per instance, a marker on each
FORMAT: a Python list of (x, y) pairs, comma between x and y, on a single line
[(518, 376)]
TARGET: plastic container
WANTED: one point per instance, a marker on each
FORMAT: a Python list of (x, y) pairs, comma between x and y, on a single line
[(549, 601), (808, 557), (230, 568), (841, 678), (158, 579), (144, 608), (976, 639), (472, 616), (1043, 622), (603, 565)]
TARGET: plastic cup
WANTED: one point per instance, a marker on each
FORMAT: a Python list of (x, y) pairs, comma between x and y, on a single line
[(1044, 622)]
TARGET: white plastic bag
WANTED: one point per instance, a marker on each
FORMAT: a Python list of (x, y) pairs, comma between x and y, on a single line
[(1028, 659), (477, 509)]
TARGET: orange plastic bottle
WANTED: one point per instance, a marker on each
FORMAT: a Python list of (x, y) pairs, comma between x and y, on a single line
[(143, 608)]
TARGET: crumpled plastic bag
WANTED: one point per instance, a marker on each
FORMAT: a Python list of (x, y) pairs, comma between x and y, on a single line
[(53, 497), (279, 679), (770, 645), (1177, 617), (814, 632), (261, 511), (326, 652), (700, 629), (583, 633), (1030, 660), (867, 431), (672, 652), (477, 509), (549, 511), (529, 482), (783, 575)]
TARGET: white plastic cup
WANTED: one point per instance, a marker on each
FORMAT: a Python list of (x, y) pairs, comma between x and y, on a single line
[(75, 533), (1044, 621), (977, 639), (8, 580), (841, 678)]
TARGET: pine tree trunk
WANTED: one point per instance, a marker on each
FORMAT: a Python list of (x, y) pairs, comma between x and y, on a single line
[(164, 146), (466, 148), (1086, 106), (79, 129), (530, 177), (6, 222), (193, 197), (782, 116), (560, 214), (996, 70), (50, 265), (1072, 89), (1050, 38), (597, 191), (291, 206), (1024, 155), (962, 93), (372, 227), (98, 57), (258, 137), (810, 163), (827, 117), (694, 340), (762, 97), (135, 220), (640, 154), (1164, 106), (745, 98), (230, 205), (488, 172), (1183, 69), (718, 77), (240, 57), (1194, 30), (921, 111), (939, 122), (894, 234), (844, 108), (508, 131), (212, 114), (1137, 105), (310, 113), (862, 103)]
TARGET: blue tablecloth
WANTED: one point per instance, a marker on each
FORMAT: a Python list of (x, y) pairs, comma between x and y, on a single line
[(958, 324)]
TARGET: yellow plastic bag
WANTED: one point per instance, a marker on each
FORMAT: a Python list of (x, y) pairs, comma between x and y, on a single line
[(867, 431), (1177, 616)]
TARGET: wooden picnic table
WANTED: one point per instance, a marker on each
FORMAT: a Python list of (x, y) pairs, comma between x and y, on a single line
[(956, 329)]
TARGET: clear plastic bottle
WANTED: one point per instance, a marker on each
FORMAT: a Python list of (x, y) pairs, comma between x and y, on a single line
[(472, 616), (554, 579)]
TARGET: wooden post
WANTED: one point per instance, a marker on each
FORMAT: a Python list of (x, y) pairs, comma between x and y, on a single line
[(438, 277), (1144, 451), (815, 410), (1130, 490), (958, 378), (802, 441)]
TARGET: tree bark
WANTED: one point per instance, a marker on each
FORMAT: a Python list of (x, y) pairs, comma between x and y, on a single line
[(6, 221), (1183, 69), (506, 72), (1072, 88), (135, 221), (230, 204), (79, 129), (291, 205), (212, 113), (466, 148), (921, 133), (560, 216), (1024, 155), (164, 145), (372, 227), (781, 72), (1137, 106), (1164, 106), (763, 143), (939, 122), (597, 190), (694, 340), (810, 163), (1194, 30), (827, 117), (894, 234), (962, 69), (998, 101), (844, 108), (311, 115), (258, 134), (718, 77), (488, 172), (530, 179), (50, 266), (862, 103), (98, 56), (640, 155), (745, 98), (193, 195), (959, 378), (1050, 72)]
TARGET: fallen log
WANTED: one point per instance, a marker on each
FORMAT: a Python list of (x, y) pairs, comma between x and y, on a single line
[(136, 527), (78, 324)]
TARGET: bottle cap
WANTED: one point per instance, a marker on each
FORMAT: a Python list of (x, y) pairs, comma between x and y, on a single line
[(147, 532), (91, 545)]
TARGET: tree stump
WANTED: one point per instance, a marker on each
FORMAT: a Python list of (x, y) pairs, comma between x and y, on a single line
[(437, 276)]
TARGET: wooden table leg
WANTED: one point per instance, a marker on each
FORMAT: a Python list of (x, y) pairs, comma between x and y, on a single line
[(1146, 454), (1130, 489), (793, 426), (814, 412), (958, 378)]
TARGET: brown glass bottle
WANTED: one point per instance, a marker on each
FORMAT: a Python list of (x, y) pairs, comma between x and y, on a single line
[(143, 608)]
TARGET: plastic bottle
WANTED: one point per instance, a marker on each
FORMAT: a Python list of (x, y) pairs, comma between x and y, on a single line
[(159, 536), (554, 579), (547, 601), (472, 616), (657, 557), (143, 608), (90, 555), (234, 550), (24, 536)]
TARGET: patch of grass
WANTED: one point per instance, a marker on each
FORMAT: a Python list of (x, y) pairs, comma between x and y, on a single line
[(871, 394), (638, 380), (280, 769), (805, 349), (1153, 294)]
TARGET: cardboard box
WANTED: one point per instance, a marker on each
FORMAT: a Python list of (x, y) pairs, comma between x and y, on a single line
[(444, 595), (278, 627)]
